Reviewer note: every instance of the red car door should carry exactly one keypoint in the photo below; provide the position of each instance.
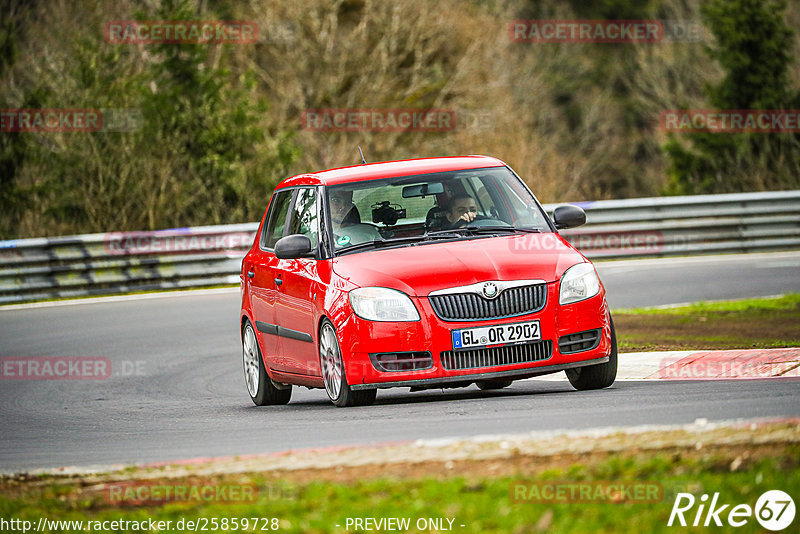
(261, 270)
(298, 288)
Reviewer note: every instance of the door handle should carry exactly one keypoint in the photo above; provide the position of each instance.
(250, 274)
(278, 281)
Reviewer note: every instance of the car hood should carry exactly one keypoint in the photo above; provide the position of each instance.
(418, 270)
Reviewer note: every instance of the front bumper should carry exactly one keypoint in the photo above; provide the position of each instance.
(360, 338)
(515, 374)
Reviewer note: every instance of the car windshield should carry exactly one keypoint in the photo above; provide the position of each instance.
(411, 209)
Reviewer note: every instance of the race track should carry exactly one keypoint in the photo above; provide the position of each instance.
(177, 389)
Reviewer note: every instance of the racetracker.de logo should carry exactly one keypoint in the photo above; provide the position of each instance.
(71, 120)
(158, 494)
(604, 31)
(731, 120)
(181, 32)
(175, 242)
(51, 120)
(634, 242)
(731, 364)
(597, 243)
(55, 368)
(378, 120)
(560, 491)
(586, 31)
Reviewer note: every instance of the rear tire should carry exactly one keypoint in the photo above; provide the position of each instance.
(596, 376)
(333, 372)
(487, 385)
(259, 385)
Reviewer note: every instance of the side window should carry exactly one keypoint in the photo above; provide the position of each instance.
(522, 207)
(273, 229)
(305, 215)
(477, 190)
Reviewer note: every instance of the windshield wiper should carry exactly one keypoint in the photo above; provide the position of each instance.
(484, 229)
(378, 243)
(479, 229)
(438, 234)
(443, 233)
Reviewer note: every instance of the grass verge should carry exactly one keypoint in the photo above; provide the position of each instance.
(736, 324)
(483, 495)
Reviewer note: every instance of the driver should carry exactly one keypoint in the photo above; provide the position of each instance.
(463, 210)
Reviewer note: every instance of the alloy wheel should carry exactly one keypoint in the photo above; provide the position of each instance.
(331, 358)
(251, 363)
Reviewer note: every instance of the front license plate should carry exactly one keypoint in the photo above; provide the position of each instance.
(503, 334)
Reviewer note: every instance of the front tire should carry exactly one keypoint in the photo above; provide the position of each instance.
(596, 376)
(333, 372)
(259, 385)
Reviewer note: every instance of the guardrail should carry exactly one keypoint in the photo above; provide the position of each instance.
(704, 224)
(119, 262)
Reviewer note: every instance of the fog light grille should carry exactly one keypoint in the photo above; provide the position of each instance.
(402, 361)
(579, 342)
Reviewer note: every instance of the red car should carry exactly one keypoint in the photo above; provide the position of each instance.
(425, 273)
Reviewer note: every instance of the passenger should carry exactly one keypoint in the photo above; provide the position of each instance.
(343, 211)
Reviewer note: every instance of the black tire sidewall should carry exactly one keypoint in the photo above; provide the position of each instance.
(597, 376)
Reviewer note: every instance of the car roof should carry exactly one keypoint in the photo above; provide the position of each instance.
(388, 169)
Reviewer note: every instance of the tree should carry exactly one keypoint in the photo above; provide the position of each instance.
(754, 47)
(200, 155)
(223, 161)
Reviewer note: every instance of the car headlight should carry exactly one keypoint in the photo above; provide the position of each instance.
(382, 304)
(579, 282)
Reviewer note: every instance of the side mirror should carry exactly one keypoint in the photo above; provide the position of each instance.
(568, 216)
(293, 246)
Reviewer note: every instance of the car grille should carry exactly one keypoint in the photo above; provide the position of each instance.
(473, 307)
(493, 357)
(579, 342)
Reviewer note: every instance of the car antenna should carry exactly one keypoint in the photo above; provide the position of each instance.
(363, 161)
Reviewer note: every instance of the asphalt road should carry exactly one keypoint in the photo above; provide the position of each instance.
(657, 282)
(176, 389)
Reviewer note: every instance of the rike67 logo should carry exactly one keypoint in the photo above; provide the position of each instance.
(774, 510)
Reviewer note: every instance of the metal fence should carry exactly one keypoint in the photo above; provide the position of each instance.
(120, 262)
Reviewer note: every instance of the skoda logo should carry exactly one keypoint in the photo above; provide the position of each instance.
(490, 290)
